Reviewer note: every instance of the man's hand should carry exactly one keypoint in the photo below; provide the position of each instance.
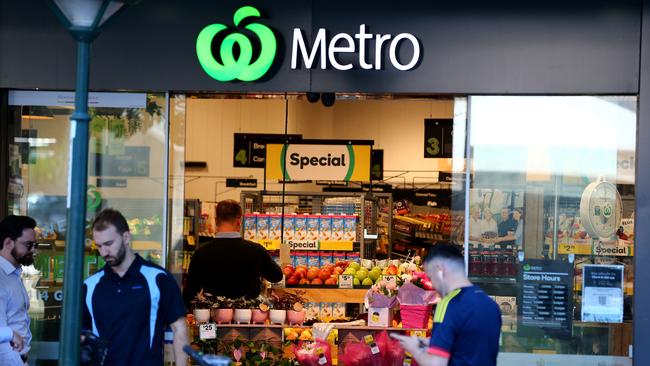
(179, 327)
(411, 344)
(417, 348)
(17, 342)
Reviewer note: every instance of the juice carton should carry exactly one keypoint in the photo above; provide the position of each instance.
(300, 227)
(338, 310)
(352, 257)
(302, 259)
(289, 227)
(325, 227)
(326, 310)
(262, 227)
(312, 310)
(326, 258)
(313, 223)
(250, 226)
(313, 259)
(338, 257)
(350, 228)
(275, 227)
(338, 227)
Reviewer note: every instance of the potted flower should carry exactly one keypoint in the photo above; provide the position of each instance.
(293, 302)
(416, 297)
(260, 310)
(201, 304)
(381, 298)
(243, 312)
(277, 313)
(222, 310)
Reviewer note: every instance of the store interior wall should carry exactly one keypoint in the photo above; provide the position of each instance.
(396, 126)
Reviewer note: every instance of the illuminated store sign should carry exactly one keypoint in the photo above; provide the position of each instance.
(236, 50)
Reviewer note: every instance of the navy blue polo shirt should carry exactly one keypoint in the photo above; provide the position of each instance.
(132, 311)
(466, 328)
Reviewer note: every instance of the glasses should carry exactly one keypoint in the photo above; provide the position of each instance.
(30, 244)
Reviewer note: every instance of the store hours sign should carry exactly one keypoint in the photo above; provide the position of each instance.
(336, 162)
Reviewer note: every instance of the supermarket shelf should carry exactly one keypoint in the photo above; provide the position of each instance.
(334, 295)
(336, 326)
(493, 279)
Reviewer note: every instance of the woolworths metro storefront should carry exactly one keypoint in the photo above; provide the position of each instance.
(545, 101)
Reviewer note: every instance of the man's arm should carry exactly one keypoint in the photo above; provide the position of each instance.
(193, 283)
(179, 327)
(417, 348)
(269, 269)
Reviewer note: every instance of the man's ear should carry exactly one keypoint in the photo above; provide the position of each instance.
(126, 237)
(8, 244)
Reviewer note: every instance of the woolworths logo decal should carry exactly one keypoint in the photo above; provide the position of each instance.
(362, 50)
(242, 68)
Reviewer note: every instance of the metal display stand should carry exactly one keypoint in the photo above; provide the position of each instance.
(365, 205)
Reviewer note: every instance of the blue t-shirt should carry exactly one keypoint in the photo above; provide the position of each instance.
(131, 312)
(466, 327)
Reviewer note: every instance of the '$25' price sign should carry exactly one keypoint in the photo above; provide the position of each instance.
(208, 331)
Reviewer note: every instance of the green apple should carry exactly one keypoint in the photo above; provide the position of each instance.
(349, 271)
(361, 275)
(367, 282)
(374, 275)
(356, 282)
(354, 265)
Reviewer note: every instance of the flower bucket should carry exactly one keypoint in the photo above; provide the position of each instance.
(242, 316)
(259, 316)
(415, 316)
(222, 316)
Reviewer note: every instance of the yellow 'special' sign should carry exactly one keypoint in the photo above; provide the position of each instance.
(293, 162)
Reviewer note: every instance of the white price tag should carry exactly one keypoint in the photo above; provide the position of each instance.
(208, 331)
(390, 278)
(322, 360)
(346, 281)
(374, 348)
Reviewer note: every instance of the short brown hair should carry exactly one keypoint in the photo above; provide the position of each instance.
(108, 217)
(228, 211)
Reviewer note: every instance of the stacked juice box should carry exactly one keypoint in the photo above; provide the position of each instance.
(314, 227)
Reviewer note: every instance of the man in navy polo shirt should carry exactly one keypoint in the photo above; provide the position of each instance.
(131, 301)
(467, 322)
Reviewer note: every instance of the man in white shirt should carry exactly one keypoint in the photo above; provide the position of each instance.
(17, 247)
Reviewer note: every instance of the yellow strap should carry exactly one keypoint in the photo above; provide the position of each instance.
(441, 308)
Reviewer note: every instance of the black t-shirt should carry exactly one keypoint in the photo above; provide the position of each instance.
(131, 312)
(507, 225)
(231, 267)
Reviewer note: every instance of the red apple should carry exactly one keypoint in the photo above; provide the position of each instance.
(331, 281)
(324, 274)
(317, 281)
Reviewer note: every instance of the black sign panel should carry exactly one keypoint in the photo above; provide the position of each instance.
(133, 163)
(438, 138)
(250, 149)
(545, 299)
(241, 182)
(377, 165)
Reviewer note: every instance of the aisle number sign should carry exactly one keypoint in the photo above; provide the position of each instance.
(295, 162)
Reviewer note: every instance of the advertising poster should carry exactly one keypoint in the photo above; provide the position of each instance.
(602, 294)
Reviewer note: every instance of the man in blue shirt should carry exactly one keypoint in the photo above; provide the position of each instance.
(467, 322)
(17, 247)
(131, 301)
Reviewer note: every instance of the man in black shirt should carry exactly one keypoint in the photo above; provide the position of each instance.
(131, 301)
(507, 224)
(229, 265)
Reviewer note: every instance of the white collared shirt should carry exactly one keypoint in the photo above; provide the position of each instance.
(14, 304)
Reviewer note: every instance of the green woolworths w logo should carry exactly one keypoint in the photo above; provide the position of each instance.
(240, 68)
